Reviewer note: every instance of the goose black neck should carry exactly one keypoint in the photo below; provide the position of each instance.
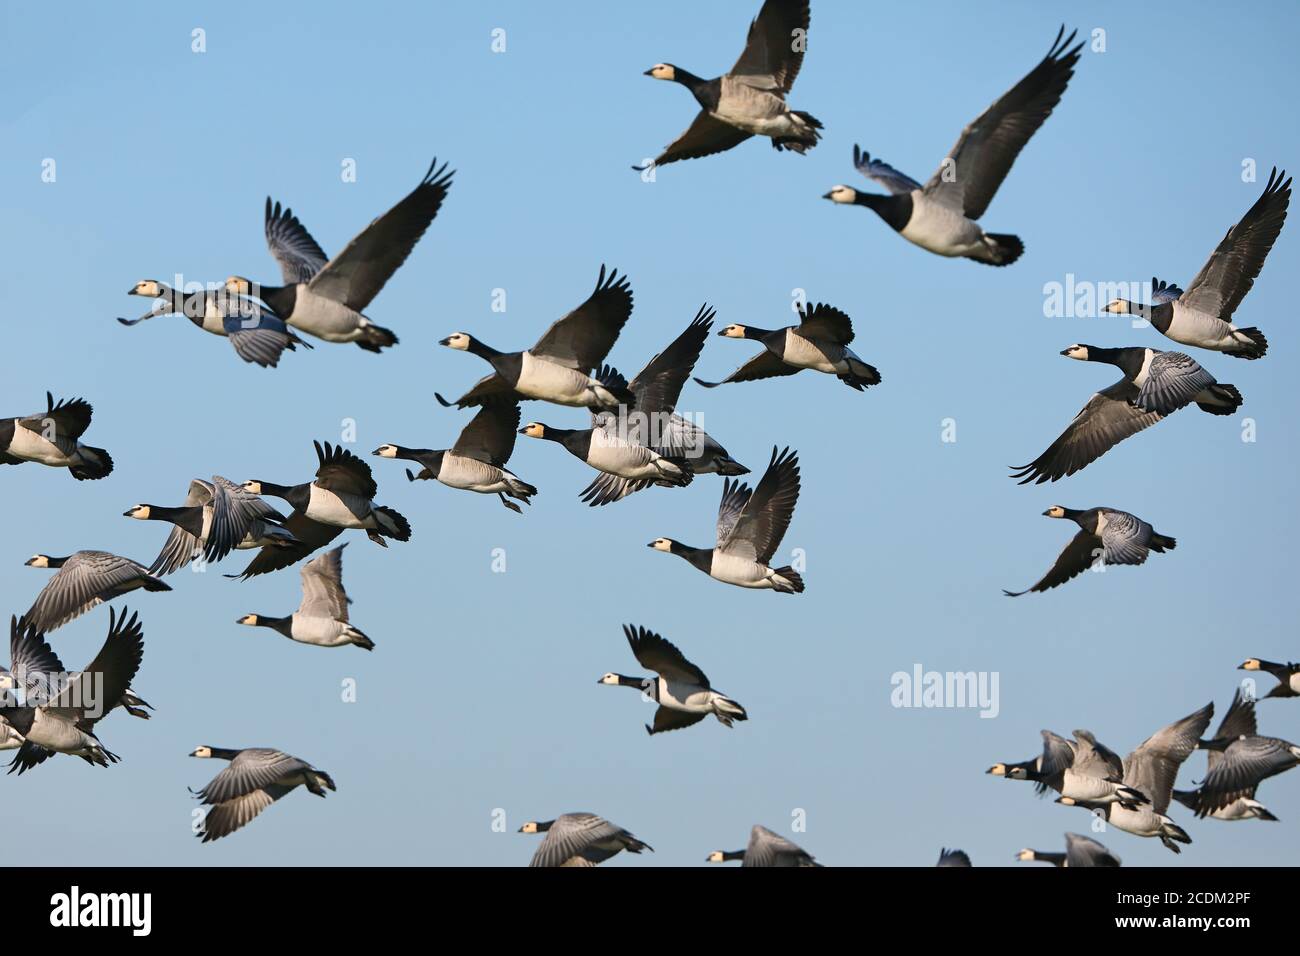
(1054, 858)
(895, 210)
(282, 624)
(688, 79)
(296, 495)
(482, 350)
(224, 753)
(625, 681)
(731, 855)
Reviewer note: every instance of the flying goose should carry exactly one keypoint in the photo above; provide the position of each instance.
(255, 779)
(580, 839)
(342, 496)
(1238, 722)
(83, 580)
(558, 368)
(1151, 769)
(257, 334)
(941, 215)
(749, 100)
(1155, 384)
(1106, 536)
(40, 672)
(477, 462)
(608, 449)
(765, 849)
(1080, 769)
(953, 858)
(681, 689)
(60, 717)
(326, 297)
(1079, 851)
(652, 421)
(217, 517)
(1202, 316)
(1245, 760)
(53, 438)
(820, 342)
(1032, 769)
(751, 525)
(1287, 674)
(322, 617)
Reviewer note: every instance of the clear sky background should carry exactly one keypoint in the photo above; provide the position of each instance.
(482, 695)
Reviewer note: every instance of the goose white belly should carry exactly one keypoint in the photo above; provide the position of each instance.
(1294, 682)
(325, 318)
(59, 735)
(742, 572)
(818, 356)
(690, 698)
(552, 382)
(1239, 809)
(1083, 787)
(940, 229)
(624, 459)
(1193, 327)
(340, 511)
(321, 631)
(1143, 821)
(1140, 378)
(756, 111)
(33, 446)
(470, 474)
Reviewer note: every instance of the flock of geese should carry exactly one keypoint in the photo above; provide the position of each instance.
(636, 440)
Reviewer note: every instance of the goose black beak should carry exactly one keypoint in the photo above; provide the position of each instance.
(523, 431)
(649, 72)
(650, 545)
(376, 451)
(127, 512)
(826, 195)
(29, 562)
(444, 341)
(1065, 351)
(131, 291)
(1047, 513)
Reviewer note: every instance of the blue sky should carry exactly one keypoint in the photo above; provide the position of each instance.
(482, 694)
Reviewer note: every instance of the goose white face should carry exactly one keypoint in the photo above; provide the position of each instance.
(1117, 306)
(1078, 352)
(203, 751)
(715, 857)
(662, 544)
(238, 285)
(733, 332)
(1015, 773)
(386, 451)
(609, 679)
(457, 340)
(140, 512)
(39, 561)
(998, 770)
(1025, 855)
(530, 827)
(249, 619)
(662, 71)
(842, 194)
(533, 430)
(1056, 511)
(1250, 665)
(147, 287)
(252, 487)
(1065, 801)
